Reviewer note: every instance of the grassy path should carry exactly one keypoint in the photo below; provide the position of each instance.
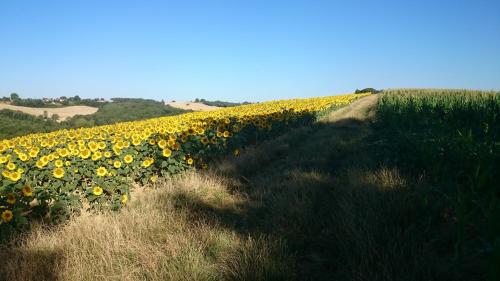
(309, 205)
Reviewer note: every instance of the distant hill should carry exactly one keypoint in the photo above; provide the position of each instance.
(16, 123)
(367, 90)
(63, 101)
(121, 110)
(219, 103)
(58, 113)
(194, 106)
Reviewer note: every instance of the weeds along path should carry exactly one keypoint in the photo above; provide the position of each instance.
(309, 205)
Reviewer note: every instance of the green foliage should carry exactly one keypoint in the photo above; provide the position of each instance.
(219, 103)
(14, 96)
(452, 137)
(121, 110)
(16, 123)
(367, 90)
(15, 99)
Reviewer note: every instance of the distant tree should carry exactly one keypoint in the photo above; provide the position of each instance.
(197, 100)
(367, 90)
(14, 97)
(55, 117)
(45, 114)
(78, 122)
(77, 98)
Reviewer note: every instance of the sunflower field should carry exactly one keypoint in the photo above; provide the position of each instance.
(53, 175)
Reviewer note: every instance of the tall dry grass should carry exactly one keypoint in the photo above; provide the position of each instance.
(153, 239)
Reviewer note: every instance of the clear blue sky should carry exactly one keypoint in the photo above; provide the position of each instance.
(245, 50)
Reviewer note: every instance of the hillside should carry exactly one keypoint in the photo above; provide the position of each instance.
(15, 123)
(64, 113)
(125, 110)
(195, 106)
(26, 120)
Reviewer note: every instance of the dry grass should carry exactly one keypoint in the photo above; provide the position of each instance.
(153, 239)
(310, 205)
(195, 106)
(359, 110)
(63, 112)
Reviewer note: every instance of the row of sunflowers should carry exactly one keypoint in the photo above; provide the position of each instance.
(52, 175)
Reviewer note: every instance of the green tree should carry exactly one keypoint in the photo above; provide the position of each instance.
(14, 97)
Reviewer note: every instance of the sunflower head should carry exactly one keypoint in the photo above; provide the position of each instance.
(7, 215)
(58, 173)
(11, 198)
(11, 166)
(101, 171)
(128, 158)
(15, 176)
(27, 191)
(166, 152)
(97, 190)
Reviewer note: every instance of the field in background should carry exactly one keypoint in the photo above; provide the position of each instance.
(195, 106)
(64, 113)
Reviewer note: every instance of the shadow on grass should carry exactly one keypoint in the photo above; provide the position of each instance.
(41, 264)
(319, 189)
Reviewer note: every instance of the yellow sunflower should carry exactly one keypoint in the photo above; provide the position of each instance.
(11, 198)
(6, 174)
(97, 190)
(3, 159)
(7, 215)
(15, 176)
(23, 157)
(58, 173)
(11, 166)
(40, 164)
(85, 153)
(146, 163)
(162, 144)
(27, 191)
(166, 152)
(128, 158)
(101, 171)
(117, 164)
